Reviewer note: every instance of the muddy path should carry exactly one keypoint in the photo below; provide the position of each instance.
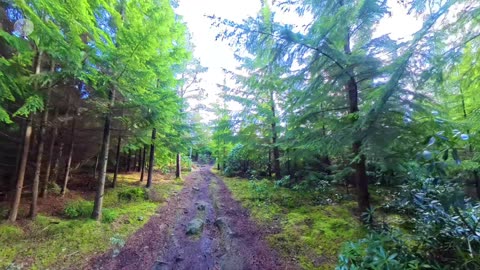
(202, 227)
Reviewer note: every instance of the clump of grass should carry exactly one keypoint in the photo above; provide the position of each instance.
(78, 209)
(132, 194)
(83, 209)
(10, 233)
(109, 215)
(311, 232)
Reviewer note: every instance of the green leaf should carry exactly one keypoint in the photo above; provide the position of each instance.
(4, 117)
(33, 104)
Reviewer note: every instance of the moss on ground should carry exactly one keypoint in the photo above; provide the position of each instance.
(58, 242)
(311, 233)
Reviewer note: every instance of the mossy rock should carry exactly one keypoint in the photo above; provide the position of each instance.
(195, 226)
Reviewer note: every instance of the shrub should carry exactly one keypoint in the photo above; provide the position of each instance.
(133, 194)
(54, 188)
(78, 209)
(109, 215)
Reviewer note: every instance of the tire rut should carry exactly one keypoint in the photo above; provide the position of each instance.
(228, 240)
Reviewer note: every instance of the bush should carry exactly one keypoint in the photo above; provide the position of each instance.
(133, 194)
(109, 215)
(54, 188)
(78, 209)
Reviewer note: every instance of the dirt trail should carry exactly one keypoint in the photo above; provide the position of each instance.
(229, 239)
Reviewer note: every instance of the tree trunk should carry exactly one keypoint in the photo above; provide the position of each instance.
(38, 159)
(142, 169)
(98, 203)
(269, 163)
(224, 159)
(134, 165)
(360, 174)
(26, 147)
(117, 161)
(46, 180)
(152, 158)
(477, 183)
(276, 154)
(21, 172)
(129, 154)
(68, 163)
(56, 168)
(361, 179)
(95, 168)
(139, 167)
(18, 157)
(178, 171)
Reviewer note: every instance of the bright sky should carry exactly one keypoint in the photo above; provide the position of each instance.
(217, 55)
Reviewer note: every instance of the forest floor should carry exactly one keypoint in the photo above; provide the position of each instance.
(61, 239)
(202, 222)
(202, 227)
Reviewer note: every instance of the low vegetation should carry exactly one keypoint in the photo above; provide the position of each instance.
(70, 240)
(311, 227)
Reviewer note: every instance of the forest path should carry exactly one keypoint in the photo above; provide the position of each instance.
(225, 237)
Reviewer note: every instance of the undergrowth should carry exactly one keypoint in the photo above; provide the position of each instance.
(313, 226)
(60, 242)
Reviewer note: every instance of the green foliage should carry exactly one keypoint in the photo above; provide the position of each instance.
(310, 232)
(132, 194)
(10, 233)
(235, 162)
(78, 209)
(55, 243)
(109, 215)
(445, 225)
(54, 188)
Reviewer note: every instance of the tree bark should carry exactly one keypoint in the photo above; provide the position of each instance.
(142, 169)
(21, 172)
(26, 148)
(134, 165)
(98, 203)
(68, 163)
(139, 160)
(18, 157)
(361, 179)
(152, 159)
(38, 159)
(95, 168)
(269, 168)
(129, 154)
(276, 150)
(117, 161)
(46, 180)
(178, 171)
(56, 168)
(477, 183)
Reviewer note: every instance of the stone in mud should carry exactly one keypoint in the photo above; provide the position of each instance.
(159, 265)
(201, 205)
(196, 188)
(195, 226)
(231, 262)
(222, 224)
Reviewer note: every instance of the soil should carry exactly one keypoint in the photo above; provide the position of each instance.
(227, 238)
